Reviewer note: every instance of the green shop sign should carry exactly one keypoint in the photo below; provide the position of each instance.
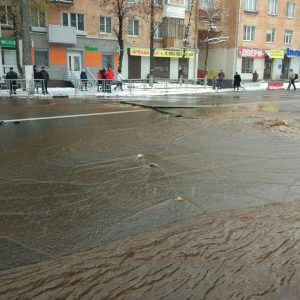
(90, 48)
(7, 42)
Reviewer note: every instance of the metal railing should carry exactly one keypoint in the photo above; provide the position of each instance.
(21, 87)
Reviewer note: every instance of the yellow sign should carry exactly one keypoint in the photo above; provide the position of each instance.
(161, 53)
(276, 53)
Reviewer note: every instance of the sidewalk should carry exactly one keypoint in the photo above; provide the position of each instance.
(159, 89)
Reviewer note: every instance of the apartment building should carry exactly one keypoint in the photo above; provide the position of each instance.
(77, 34)
(263, 36)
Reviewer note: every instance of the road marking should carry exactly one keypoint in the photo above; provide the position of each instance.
(74, 116)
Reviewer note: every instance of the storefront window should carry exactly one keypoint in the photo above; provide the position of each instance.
(107, 60)
(41, 58)
(247, 65)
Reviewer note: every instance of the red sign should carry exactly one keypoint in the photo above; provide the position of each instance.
(253, 53)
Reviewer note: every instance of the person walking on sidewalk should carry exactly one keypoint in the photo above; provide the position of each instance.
(119, 81)
(12, 76)
(99, 80)
(37, 78)
(102, 72)
(237, 81)
(292, 78)
(109, 74)
(221, 77)
(83, 79)
(45, 77)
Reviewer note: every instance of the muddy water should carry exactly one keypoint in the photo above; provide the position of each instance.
(242, 254)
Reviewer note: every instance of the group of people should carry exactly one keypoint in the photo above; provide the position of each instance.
(104, 79)
(41, 79)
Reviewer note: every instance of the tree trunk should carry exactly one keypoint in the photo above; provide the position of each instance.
(151, 39)
(17, 36)
(25, 9)
(120, 41)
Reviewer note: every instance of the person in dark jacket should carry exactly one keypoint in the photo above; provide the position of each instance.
(103, 71)
(12, 76)
(37, 78)
(83, 78)
(45, 77)
(237, 81)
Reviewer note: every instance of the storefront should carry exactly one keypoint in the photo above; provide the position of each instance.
(166, 63)
(250, 60)
(274, 61)
(8, 54)
(294, 57)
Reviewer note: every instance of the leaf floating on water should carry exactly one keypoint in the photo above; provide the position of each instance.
(179, 198)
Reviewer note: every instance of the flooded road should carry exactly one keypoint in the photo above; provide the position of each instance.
(172, 207)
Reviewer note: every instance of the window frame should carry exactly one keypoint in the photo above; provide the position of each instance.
(105, 25)
(288, 36)
(293, 4)
(157, 30)
(273, 11)
(205, 4)
(246, 6)
(253, 33)
(41, 50)
(9, 21)
(273, 34)
(133, 27)
(69, 20)
(249, 62)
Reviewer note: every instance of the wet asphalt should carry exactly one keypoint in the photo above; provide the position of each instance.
(71, 184)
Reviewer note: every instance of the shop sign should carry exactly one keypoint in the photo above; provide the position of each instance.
(276, 54)
(161, 53)
(7, 42)
(90, 48)
(252, 53)
(292, 52)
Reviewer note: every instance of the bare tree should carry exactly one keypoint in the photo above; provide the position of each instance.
(212, 19)
(19, 12)
(121, 9)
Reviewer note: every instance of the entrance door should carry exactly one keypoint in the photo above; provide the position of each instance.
(134, 67)
(285, 68)
(161, 67)
(74, 64)
(268, 68)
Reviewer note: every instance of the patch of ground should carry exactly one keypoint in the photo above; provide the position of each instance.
(241, 254)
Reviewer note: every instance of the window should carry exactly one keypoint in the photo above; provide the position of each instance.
(133, 1)
(158, 31)
(38, 18)
(270, 38)
(41, 58)
(107, 60)
(205, 4)
(6, 15)
(247, 65)
(290, 10)
(249, 33)
(288, 35)
(250, 5)
(173, 27)
(273, 7)
(105, 25)
(133, 27)
(73, 20)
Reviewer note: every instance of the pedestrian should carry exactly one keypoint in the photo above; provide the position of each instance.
(237, 81)
(45, 77)
(83, 80)
(109, 75)
(254, 76)
(221, 77)
(103, 77)
(12, 76)
(37, 78)
(214, 82)
(99, 80)
(292, 78)
(120, 78)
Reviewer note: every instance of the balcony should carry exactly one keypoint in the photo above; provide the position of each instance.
(172, 42)
(174, 9)
(62, 35)
(67, 2)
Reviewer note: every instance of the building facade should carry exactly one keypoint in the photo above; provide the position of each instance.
(77, 34)
(263, 37)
